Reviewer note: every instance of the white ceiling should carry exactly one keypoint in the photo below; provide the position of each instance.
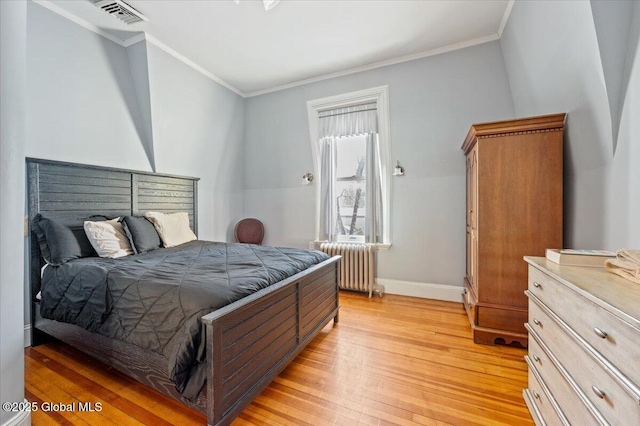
(255, 51)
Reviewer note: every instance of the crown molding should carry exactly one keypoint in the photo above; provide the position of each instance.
(505, 17)
(192, 64)
(135, 39)
(407, 58)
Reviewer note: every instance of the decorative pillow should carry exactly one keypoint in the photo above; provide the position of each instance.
(108, 238)
(142, 235)
(173, 228)
(62, 240)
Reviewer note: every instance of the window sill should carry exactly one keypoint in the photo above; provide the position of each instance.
(379, 246)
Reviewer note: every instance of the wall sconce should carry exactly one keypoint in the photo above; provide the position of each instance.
(307, 178)
(398, 170)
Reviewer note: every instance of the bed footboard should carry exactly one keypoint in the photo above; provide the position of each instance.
(252, 340)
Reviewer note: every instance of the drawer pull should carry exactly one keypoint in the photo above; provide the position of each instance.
(536, 321)
(600, 333)
(600, 394)
(536, 395)
(536, 358)
(537, 284)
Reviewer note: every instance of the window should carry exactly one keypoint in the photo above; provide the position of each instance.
(349, 136)
(350, 189)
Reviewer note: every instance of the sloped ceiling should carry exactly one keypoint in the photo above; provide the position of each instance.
(617, 48)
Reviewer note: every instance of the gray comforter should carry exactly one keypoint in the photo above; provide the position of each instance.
(155, 300)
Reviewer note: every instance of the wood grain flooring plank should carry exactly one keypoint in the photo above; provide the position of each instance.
(167, 408)
(93, 391)
(70, 392)
(391, 360)
(46, 418)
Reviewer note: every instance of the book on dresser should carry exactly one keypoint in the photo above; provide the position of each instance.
(575, 257)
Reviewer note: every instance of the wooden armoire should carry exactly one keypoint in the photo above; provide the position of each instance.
(514, 209)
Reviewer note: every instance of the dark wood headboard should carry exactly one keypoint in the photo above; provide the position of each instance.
(68, 190)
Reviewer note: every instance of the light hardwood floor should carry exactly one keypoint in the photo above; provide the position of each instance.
(390, 360)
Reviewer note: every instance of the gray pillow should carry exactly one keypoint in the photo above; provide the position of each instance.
(141, 233)
(62, 240)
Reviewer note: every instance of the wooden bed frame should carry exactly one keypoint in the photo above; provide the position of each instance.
(249, 342)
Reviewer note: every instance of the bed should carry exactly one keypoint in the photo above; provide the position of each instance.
(241, 346)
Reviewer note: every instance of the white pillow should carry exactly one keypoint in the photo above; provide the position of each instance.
(173, 228)
(108, 238)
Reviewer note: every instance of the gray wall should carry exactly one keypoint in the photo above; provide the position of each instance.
(13, 21)
(86, 105)
(559, 57)
(88, 102)
(199, 131)
(81, 101)
(433, 102)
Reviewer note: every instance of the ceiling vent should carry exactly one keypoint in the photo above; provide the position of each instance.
(121, 10)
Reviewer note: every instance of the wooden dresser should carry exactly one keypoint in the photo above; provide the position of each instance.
(514, 208)
(584, 346)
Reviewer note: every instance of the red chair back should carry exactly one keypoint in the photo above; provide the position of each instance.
(249, 231)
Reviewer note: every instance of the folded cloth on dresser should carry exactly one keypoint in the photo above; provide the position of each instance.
(626, 264)
(155, 300)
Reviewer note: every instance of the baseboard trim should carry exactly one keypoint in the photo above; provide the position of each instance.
(447, 293)
(21, 418)
(27, 335)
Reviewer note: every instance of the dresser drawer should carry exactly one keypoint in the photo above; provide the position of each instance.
(575, 405)
(544, 409)
(615, 404)
(612, 337)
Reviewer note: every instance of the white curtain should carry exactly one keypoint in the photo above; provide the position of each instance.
(374, 201)
(351, 121)
(327, 169)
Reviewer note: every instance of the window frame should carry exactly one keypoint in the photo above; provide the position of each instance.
(379, 95)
